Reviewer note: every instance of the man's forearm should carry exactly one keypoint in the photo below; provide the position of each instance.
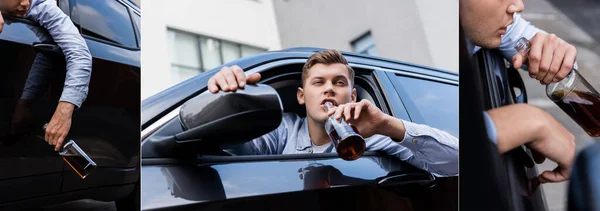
(516, 125)
(393, 128)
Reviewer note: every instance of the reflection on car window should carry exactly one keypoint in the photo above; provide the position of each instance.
(136, 21)
(433, 102)
(106, 20)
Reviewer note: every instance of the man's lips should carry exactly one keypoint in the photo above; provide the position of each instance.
(329, 100)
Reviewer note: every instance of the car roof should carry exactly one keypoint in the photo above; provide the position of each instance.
(353, 54)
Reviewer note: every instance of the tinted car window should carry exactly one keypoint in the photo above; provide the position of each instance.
(434, 103)
(106, 20)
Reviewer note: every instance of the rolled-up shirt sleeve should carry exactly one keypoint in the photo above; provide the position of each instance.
(67, 37)
(432, 149)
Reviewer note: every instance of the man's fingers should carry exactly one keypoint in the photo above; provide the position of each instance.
(550, 56)
(557, 60)
(348, 111)
(239, 76)
(357, 109)
(338, 112)
(1, 23)
(230, 78)
(535, 55)
(253, 78)
(212, 85)
(59, 142)
(220, 78)
(558, 175)
(47, 135)
(567, 64)
(517, 61)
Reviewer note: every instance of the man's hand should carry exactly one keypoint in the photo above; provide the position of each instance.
(366, 117)
(1, 22)
(523, 124)
(59, 125)
(550, 58)
(230, 79)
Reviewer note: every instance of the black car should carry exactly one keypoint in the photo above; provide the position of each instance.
(183, 131)
(106, 126)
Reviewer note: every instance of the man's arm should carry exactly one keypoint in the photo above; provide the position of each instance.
(433, 150)
(77, 54)
(79, 67)
(523, 124)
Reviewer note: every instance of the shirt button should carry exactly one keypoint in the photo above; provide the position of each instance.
(414, 140)
(310, 150)
(417, 133)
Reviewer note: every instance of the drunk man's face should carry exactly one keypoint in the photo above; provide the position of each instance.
(485, 21)
(17, 8)
(325, 83)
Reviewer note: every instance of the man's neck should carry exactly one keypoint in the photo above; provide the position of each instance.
(317, 133)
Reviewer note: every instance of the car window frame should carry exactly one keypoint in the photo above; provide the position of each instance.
(500, 95)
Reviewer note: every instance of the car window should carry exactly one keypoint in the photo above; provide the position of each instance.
(106, 20)
(430, 102)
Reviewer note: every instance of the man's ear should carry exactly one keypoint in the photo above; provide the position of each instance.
(354, 95)
(300, 96)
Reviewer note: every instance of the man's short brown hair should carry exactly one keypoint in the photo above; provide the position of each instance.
(326, 57)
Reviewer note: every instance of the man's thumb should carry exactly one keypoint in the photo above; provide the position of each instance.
(253, 78)
(517, 61)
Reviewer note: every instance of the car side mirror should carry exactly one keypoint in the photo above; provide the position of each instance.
(227, 118)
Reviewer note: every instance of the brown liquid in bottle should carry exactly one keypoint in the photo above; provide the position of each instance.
(79, 164)
(583, 107)
(349, 148)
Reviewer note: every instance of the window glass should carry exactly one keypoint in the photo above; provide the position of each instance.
(365, 45)
(211, 52)
(433, 102)
(249, 51)
(231, 51)
(136, 21)
(106, 20)
(185, 57)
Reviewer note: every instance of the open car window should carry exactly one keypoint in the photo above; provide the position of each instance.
(286, 79)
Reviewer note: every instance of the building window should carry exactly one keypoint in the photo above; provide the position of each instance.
(364, 45)
(193, 54)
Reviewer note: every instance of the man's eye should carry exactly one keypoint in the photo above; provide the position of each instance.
(341, 82)
(317, 82)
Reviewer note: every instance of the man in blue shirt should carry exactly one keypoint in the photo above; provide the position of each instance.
(63, 32)
(326, 76)
(495, 24)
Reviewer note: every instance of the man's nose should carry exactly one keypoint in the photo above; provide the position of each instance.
(515, 6)
(25, 3)
(328, 89)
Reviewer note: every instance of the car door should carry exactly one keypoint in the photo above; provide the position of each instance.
(500, 88)
(107, 124)
(295, 182)
(27, 162)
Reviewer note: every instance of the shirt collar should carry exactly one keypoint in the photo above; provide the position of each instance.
(303, 139)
